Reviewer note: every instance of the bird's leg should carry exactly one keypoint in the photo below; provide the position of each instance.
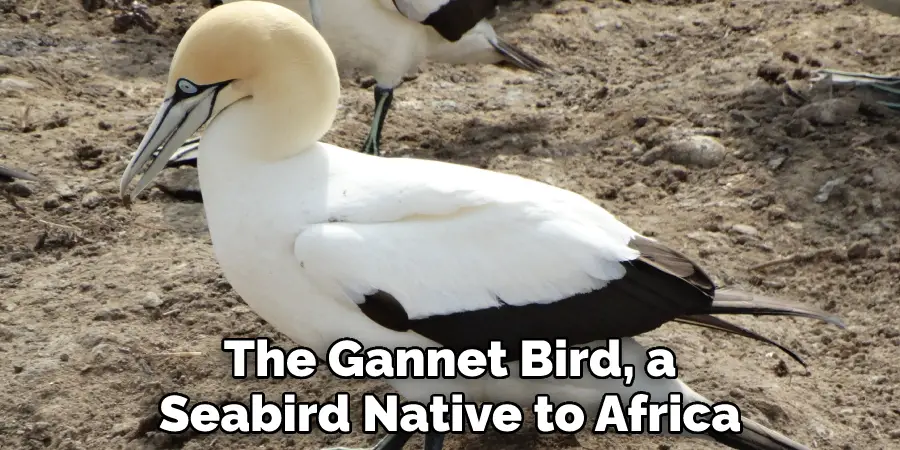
(383, 98)
(390, 442)
(434, 441)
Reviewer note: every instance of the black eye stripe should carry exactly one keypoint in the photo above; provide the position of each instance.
(186, 87)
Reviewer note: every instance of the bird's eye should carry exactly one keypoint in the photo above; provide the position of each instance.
(186, 87)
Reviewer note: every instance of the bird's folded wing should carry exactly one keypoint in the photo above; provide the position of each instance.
(473, 258)
(450, 18)
(503, 259)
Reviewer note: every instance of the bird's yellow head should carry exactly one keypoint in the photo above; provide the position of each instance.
(251, 51)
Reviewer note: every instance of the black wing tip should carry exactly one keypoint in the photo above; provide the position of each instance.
(14, 174)
(761, 305)
(716, 323)
(520, 58)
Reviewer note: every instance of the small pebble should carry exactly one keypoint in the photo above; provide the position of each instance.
(52, 201)
(151, 300)
(15, 84)
(858, 250)
(826, 190)
(744, 229)
(91, 200)
(65, 192)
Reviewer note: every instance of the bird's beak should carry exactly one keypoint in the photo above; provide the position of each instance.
(178, 118)
(315, 8)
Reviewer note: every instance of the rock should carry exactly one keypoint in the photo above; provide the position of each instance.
(694, 150)
(65, 192)
(15, 84)
(859, 249)
(894, 434)
(744, 229)
(151, 300)
(826, 190)
(52, 201)
(87, 151)
(833, 111)
(91, 200)
(702, 151)
(776, 162)
(109, 314)
(19, 189)
(771, 71)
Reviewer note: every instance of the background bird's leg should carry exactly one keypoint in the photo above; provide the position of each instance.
(315, 9)
(390, 442)
(434, 441)
(383, 98)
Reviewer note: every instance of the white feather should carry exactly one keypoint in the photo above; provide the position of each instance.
(446, 238)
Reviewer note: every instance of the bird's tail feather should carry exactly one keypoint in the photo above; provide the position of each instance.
(755, 436)
(519, 58)
(716, 323)
(13, 173)
(730, 301)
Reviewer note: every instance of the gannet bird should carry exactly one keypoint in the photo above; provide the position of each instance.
(8, 175)
(391, 38)
(326, 243)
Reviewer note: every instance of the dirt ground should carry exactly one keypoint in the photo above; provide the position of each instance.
(90, 311)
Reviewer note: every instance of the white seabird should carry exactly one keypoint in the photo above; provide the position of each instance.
(390, 38)
(327, 243)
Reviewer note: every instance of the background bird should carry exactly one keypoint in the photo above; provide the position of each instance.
(389, 39)
(888, 85)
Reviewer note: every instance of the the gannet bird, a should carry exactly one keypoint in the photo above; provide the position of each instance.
(8, 175)
(390, 38)
(327, 243)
